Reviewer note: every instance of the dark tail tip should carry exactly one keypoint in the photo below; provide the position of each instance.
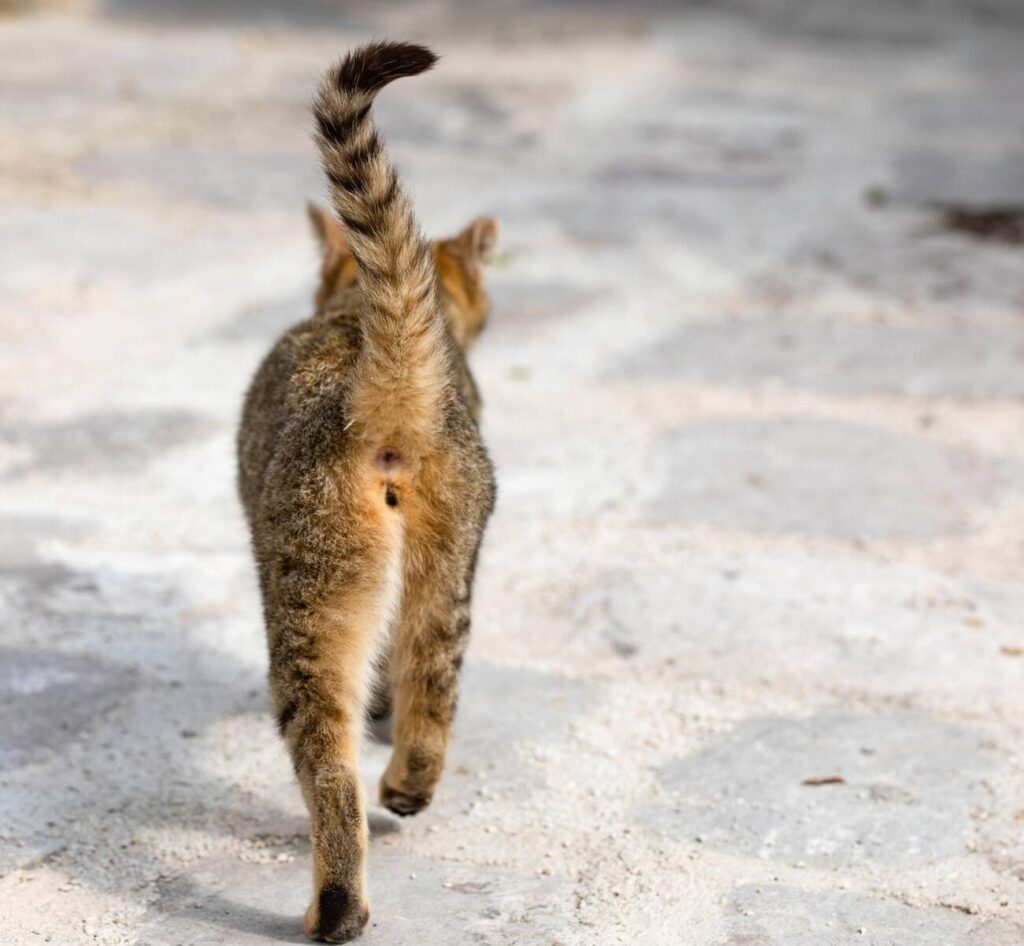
(371, 67)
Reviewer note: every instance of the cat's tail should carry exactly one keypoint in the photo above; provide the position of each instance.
(404, 364)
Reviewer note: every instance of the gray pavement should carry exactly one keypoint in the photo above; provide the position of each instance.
(748, 655)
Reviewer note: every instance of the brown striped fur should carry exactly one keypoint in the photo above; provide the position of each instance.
(367, 487)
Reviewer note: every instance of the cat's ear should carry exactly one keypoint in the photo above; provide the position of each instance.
(478, 240)
(328, 230)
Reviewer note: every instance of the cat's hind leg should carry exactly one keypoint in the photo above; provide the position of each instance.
(443, 533)
(324, 632)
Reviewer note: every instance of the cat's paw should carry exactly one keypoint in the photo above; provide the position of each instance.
(335, 916)
(403, 802)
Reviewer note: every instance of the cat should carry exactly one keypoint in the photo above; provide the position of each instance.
(367, 488)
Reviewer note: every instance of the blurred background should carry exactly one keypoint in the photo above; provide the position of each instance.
(748, 663)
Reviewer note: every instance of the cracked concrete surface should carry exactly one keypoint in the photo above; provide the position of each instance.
(758, 427)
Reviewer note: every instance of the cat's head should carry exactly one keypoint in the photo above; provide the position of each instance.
(459, 262)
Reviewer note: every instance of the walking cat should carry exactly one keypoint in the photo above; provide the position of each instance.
(367, 487)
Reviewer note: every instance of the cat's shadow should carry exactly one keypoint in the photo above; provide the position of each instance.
(253, 921)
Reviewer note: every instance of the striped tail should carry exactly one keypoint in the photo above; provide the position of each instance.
(403, 367)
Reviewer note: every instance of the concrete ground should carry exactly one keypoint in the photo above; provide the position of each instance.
(748, 658)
